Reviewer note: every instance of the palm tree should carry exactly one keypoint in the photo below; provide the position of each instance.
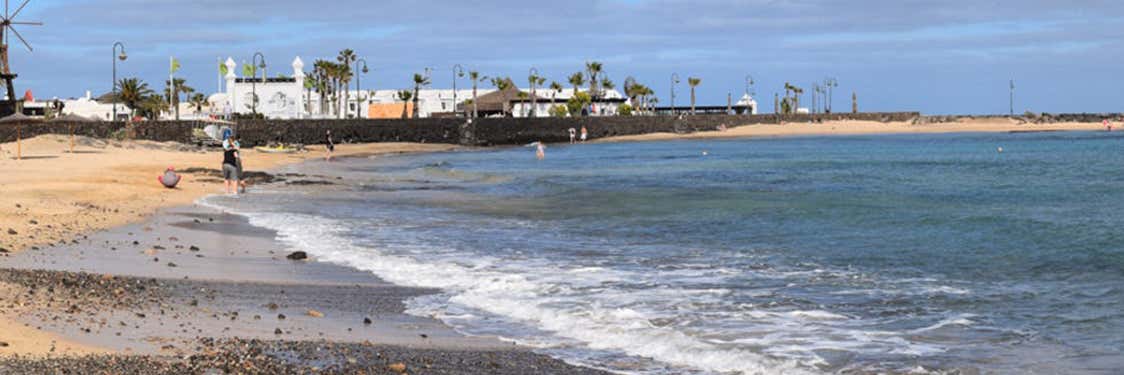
(320, 75)
(555, 89)
(404, 96)
(607, 84)
(346, 58)
(594, 69)
(133, 91)
(577, 80)
(152, 105)
(172, 91)
(197, 101)
(693, 82)
(309, 83)
(419, 82)
(476, 78)
(535, 81)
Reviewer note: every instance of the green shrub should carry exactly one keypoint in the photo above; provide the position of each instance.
(624, 110)
(559, 111)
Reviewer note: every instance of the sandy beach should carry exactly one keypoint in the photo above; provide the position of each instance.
(53, 196)
(96, 259)
(792, 129)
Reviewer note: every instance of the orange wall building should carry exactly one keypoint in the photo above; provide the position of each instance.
(389, 110)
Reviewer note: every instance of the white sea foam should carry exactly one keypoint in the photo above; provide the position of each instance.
(521, 298)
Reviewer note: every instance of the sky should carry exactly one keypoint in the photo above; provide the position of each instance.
(936, 56)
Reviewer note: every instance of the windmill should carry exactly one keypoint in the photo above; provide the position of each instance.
(8, 23)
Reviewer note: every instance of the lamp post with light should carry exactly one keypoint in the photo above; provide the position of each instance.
(358, 87)
(116, 56)
(254, 80)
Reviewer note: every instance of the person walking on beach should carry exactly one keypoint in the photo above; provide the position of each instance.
(230, 170)
(329, 145)
(573, 136)
(233, 143)
(585, 134)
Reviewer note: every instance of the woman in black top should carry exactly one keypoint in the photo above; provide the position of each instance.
(230, 173)
(329, 145)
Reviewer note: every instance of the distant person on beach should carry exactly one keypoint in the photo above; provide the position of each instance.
(329, 145)
(1107, 125)
(540, 150)
(585, 134)
(573, 136)
(230, 171)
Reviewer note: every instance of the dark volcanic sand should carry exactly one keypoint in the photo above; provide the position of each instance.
(195, 291)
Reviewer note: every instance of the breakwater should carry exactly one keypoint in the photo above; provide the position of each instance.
(477, 132)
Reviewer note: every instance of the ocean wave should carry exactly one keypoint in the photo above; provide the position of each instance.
(519, 298)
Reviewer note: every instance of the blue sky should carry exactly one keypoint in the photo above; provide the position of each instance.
(937, 56)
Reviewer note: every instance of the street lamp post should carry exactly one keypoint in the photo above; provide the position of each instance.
(829, 84)
(458, 71)
(254, 81)
(748, 83)
(674, 81)
(116, 56)
(358, 87)
(1012, 98)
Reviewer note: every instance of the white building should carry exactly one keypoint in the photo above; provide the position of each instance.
(606, 104)
(90, 108)
(280, 97)
(748, 101)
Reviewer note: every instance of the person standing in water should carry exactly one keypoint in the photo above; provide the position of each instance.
(540, 150)
(329, 145)
(241, 188)
(573, 136)
(585, 134)
(230, 174)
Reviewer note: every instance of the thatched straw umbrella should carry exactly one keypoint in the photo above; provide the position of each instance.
(18, 119)
(70, 119)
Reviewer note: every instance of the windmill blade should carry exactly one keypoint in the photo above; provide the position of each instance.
(26, 23)
(14, 31)
(19, 9)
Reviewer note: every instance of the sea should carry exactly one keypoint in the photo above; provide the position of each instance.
(952, 253)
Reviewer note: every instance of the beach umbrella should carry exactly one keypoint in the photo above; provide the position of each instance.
(70, 119)
(19, 119)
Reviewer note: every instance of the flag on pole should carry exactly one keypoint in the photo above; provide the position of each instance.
(248, 70)
(223, 69)
(175, 65)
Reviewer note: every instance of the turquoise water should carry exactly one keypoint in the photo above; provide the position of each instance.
(875, 253)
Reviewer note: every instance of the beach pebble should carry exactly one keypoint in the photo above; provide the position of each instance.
(193, 248)
(12, 231)
(367, 321)
(397, 367)
(315, 314)
(3, 344)
(278, 331)
(297, 255)
(280, 316)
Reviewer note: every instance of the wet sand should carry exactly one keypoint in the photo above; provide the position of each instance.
(191, 288)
